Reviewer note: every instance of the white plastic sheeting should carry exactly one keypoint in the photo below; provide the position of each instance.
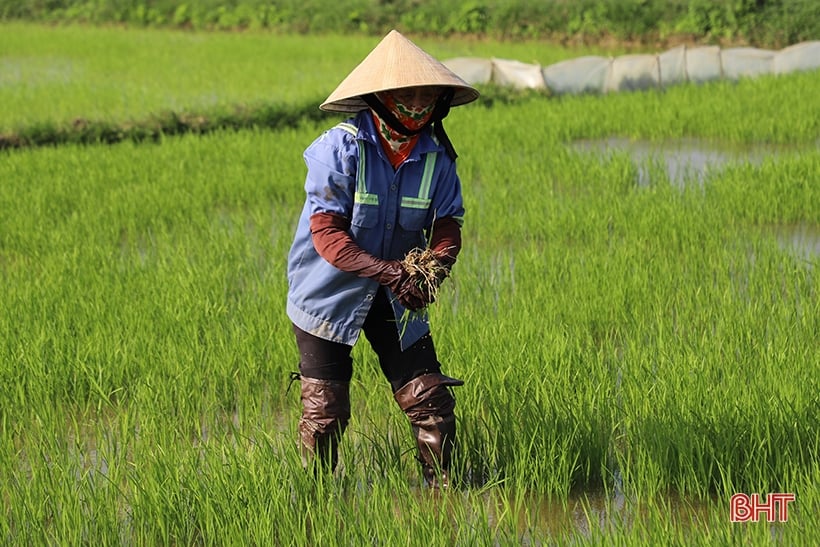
(672, 66)
(805, 56)
(517, 74)
(582, 75)
(746, 62)
(633, 72)
(703, 64)
(595, 74)
(474, 70)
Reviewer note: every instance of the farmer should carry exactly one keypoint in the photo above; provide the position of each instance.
(379, 184)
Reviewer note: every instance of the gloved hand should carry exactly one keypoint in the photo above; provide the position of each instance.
(445, 242)
(413, 297)
(405, 287)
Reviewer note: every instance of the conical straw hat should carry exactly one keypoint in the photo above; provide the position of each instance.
(395, 63)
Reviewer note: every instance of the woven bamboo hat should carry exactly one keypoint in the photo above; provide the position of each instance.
(395, 63)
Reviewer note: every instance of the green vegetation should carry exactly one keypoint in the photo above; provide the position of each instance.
(772, 23)
(79, 84)
(651, 346)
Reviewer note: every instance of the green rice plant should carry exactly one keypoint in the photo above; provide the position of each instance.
(76, 74)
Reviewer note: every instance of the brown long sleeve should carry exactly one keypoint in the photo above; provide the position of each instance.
(446, 240)
(334, 243)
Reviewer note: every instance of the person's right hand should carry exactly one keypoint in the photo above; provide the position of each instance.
(335, 244)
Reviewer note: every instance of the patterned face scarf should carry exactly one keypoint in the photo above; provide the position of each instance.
(396, 145)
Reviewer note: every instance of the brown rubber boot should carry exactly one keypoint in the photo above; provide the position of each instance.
(325, 412)
(429, 405)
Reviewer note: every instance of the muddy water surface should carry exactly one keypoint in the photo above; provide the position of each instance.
(689, 161)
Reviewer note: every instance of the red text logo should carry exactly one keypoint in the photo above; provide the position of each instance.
(746, 508)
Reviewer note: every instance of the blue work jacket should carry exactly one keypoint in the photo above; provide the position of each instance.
(390, 213)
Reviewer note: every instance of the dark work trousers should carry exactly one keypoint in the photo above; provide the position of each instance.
(326, 360)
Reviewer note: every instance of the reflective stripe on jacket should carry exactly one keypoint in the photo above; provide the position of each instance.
(390, 213)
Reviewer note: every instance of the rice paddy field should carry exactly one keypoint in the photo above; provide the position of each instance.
(637, 346)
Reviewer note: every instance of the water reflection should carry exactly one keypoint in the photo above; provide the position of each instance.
(802, 238)
(538, 520)
(684, 160)
(688, 161)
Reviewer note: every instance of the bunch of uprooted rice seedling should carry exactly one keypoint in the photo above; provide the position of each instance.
(426, 270)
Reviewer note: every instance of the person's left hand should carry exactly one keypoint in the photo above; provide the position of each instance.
(411, 296)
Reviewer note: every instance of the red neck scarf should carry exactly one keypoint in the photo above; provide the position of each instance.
(398, 146)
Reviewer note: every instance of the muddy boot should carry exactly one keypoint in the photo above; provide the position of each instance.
(325, 412)
(429, 405)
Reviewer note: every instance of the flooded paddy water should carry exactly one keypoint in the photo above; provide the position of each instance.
(693, 161)
(596, 513)
(95, 455)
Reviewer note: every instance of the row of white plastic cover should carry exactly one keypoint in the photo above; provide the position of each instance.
(594, 74)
